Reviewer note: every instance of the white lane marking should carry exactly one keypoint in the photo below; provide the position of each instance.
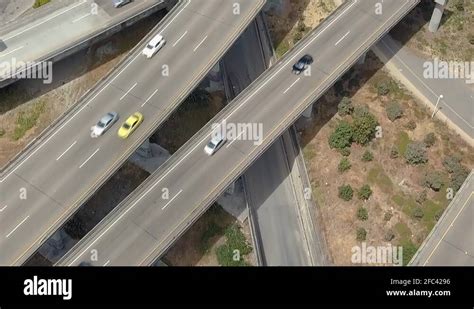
(12, 51)
(106, 263)
(235, 139)
(447, 230)
(171, 21)
(90, 157)
(126, 93)
(46, 20)
(80, 18)
(291, 60)
(424, 84)
(170, 201)
(205, 138)
(68, 120)
(340, 40)
(23, 221)
(200, 43)
(180, 38)
(3, 208)
(291, 86)
(69, 148)
(149, 98)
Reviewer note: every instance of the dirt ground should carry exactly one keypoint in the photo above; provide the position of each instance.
(394, 183)
(286, 19)
(197, 247)
(454, 39)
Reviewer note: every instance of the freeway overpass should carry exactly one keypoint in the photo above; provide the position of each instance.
(56, 30)
(145, 224)
(48, 182)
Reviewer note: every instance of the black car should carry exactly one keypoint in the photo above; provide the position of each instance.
(302, 64)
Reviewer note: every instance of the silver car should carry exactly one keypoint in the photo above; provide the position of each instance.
(214, 144)
(104, 124)
(119, 3)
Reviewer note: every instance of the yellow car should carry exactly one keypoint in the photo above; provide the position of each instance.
(130, 125)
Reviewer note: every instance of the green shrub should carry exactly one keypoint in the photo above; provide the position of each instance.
(235, 241)
(362, 214)
(452, 163)
(411, 125)
(345, 107)
(416, 153)
(430, 139)
(458, 178)
(383, 88)
(346, 193)
(345, 151)
(367, 156)
(434, 180)
(459, 5)
(417, 213)
(387, 216)
(364, 126)
(361, 234)
(421, 197)
(344, 165)
(342, 136)
(39, 3)
(389, 235)
(394, 153)
(394, 111)
(364, 192)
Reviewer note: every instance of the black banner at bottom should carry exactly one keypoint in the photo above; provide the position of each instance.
(66, 287)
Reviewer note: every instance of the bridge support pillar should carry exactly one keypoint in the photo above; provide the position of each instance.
(145, 149)
(362, 59)
(308, 113)
(437, 15)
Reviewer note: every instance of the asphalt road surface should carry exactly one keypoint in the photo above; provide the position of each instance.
(59, 26)
(450, 243)
(56, 176)
(147, 222)
(458, 95)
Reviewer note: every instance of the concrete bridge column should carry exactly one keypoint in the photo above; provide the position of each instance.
(437, 14)
(308, 113)
(362, 59)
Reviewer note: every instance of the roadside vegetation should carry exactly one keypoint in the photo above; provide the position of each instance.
(381, 169)
(27, 119)
(453, 41)
(39, 3)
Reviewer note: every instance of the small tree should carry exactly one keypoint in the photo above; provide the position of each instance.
(421, 197)
(342, 136)
(430, 139)
(345, 107)
(344, 165)
(387, 216)
(411, 125)
(417, 213)
(458, 177)
(362, 214)
(383, 88)
(394, 111)
(452, 163)
(364, 126)
(346, 193)
(367, 156)
(364, 192)
(345, 151)
(361, 234)
(394, 153)
(434, 180)
(416, 153)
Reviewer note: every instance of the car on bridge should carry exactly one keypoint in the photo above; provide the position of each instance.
(104, 124)
(130, 125)
(302, 64)
(120, 3)
(214, 144)
(154, 46)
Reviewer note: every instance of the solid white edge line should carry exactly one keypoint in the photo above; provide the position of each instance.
(16, 227)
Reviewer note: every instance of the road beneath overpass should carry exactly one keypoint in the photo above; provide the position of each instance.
(47, 183)
(146, 223)
(450, 243)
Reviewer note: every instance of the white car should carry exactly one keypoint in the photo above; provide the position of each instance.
(104, 124)
(214, 144)
(154, 46)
